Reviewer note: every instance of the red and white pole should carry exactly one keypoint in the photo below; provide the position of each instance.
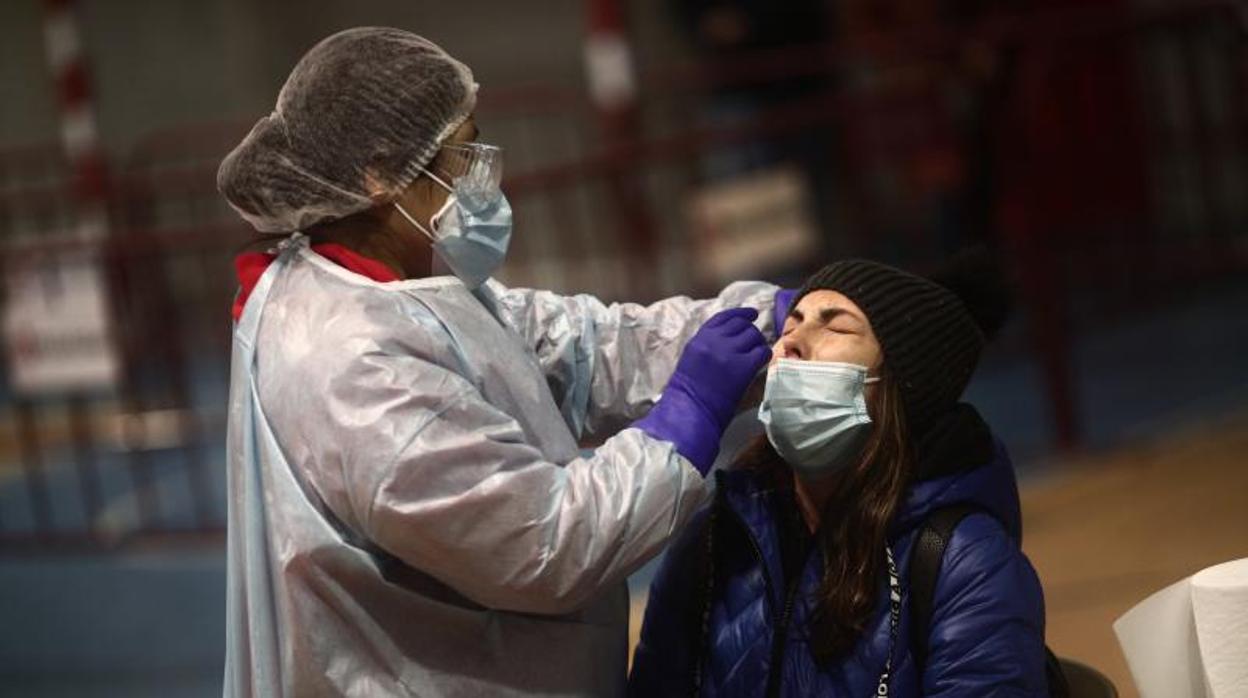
(79, 134)
(612, 78)
(609, 59)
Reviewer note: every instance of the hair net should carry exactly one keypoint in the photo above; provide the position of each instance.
(360, 115)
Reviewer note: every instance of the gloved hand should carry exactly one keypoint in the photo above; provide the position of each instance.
(784, 301)
(713, 372)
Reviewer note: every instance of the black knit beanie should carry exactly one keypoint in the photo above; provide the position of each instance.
(931, 329)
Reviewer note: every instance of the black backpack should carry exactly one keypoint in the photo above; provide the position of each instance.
(929, 551)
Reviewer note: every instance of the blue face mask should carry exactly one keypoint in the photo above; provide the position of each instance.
(815, 414)
(471, 232)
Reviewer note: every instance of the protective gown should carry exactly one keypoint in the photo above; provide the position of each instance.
(409, 512)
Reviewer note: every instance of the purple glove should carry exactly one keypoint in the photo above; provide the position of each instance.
(714, 370)
(784, 301)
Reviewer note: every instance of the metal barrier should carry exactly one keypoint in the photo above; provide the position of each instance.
(1083, 207)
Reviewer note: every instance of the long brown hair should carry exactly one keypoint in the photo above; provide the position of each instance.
(854, 524)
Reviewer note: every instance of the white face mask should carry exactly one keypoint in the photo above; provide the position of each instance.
(815, 414)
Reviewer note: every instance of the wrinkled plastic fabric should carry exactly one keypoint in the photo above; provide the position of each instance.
(361, 113)
(409, 512)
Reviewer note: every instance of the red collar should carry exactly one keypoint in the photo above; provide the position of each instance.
(249, 266)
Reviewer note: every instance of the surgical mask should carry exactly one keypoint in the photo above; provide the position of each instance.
(472, 230)
(815, 414)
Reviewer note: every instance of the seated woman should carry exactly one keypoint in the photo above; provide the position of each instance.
(782, 586)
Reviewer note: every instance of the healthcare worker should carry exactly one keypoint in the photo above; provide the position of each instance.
(409, 513)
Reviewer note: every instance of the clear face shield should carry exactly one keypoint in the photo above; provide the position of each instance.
(472, 172)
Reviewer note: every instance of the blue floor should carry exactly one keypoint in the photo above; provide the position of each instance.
(139, 624)
(152, 623)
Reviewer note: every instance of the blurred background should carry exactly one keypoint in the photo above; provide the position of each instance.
(654, 147)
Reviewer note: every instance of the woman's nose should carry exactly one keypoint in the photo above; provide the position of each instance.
(791, 348)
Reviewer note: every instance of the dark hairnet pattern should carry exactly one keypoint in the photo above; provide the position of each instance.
(357, 119)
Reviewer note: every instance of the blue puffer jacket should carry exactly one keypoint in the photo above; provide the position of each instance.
(987, 627)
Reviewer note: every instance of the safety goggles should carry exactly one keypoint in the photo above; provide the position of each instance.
(473, 167)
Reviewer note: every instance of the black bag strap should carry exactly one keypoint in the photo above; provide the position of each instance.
(925, 561)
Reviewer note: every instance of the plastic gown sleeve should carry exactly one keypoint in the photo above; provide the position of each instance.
(608, 364)
(465, 499)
